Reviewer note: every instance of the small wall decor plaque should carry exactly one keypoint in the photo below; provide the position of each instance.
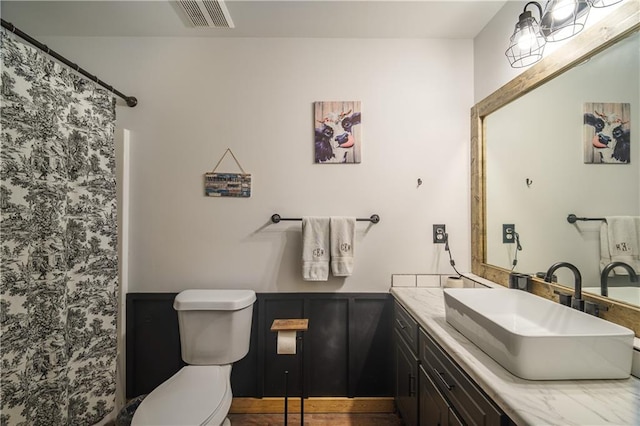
(607, 134)
(338, 137)
(218, 184)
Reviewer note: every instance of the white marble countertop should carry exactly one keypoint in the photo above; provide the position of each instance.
(526, 402)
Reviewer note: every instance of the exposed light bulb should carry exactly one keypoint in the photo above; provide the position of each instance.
(527, 39)
(564, 9)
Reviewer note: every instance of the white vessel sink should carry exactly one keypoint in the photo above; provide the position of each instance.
(538, 339)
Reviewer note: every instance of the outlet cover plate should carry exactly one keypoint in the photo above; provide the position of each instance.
(438, 234)
(508, 233)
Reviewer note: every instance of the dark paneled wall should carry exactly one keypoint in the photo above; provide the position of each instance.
(347, 349)
(153, 341)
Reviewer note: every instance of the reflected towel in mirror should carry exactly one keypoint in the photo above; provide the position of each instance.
(619, 242)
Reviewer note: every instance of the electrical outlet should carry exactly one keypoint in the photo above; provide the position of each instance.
(438, 234)
(508, 233)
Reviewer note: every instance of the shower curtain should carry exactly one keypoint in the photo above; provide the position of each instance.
(59, 276)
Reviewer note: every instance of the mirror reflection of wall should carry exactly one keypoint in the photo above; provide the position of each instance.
(538, 139)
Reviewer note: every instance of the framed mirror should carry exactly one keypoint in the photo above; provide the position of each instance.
(530, 163)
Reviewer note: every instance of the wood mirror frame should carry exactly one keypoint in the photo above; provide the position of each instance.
(619, 24)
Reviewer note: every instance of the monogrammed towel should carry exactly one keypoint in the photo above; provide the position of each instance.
(343, 231)
(619, 242)
(315, 248)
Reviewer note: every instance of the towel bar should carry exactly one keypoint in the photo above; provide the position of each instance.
(275, 218)
(572, 218)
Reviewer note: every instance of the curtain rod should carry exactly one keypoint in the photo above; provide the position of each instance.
(131, 101)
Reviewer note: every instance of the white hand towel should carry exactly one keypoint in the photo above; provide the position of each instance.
(315, 248)
(620, 242)
(343, 230)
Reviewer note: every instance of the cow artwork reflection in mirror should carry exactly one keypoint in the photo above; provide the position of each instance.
(337, 132)
(607, 134)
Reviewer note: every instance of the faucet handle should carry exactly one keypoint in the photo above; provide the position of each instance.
(594, 308)
(563, 298)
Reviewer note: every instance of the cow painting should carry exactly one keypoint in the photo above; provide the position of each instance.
(337, 132)
(607, 133)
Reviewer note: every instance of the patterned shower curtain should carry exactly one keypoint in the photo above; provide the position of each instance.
(59, 277)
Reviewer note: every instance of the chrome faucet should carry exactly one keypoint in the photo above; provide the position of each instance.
(604, 277)
(578, 303)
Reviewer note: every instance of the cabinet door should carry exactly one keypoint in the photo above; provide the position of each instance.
(406, 382)
(468, 401)
(454, 420)
(406, 326)
(433, 407)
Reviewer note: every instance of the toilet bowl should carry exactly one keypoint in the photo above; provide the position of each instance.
(195, 395)
(215, 330)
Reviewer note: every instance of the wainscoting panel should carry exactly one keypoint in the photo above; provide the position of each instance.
(370, 329)
(347, 349)
(327, 347)
(153, 341)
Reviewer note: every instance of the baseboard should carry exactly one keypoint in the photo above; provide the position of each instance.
(313, 405)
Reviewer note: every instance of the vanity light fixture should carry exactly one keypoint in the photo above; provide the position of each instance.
(527, 42)
(564, 18)
(561, 19)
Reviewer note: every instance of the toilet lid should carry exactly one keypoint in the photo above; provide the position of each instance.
(192, 396)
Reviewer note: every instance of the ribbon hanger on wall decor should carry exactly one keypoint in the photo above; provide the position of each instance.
(219, 184)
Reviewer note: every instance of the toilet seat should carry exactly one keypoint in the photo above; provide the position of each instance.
(195, 395)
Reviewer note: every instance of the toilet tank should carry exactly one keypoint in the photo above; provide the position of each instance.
(215, 325)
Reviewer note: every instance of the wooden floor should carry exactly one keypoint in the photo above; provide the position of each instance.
(316, 419)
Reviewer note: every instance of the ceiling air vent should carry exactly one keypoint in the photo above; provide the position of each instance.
(206, 13)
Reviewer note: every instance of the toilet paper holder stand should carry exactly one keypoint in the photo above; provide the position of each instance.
(298, 325)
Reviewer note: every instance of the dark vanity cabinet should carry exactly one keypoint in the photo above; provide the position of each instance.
(434, 408)
(467, 404)
(431, 389)
(406, 365)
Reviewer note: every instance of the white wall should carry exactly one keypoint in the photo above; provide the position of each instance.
(199, 96)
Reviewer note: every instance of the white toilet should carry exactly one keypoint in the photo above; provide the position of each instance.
(215, 329)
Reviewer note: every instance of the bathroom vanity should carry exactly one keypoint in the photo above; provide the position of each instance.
(443, 378)
(446, 395)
